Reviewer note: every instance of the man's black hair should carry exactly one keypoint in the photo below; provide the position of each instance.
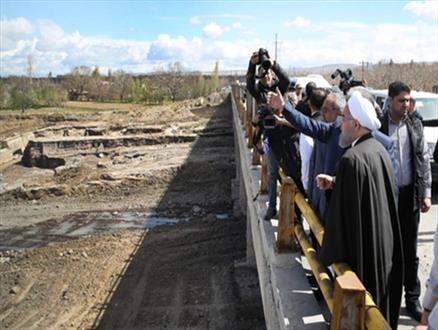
(309, 88)
(396, 87)
(317, 97)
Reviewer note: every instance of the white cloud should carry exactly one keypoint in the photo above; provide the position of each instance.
(166, 48)
(428, 8)
(51, 35)
(401, 42)
(57, 51)
(54, 50)
(212, 30)
(195, 20)
(299, 21)
(343, 25)
(16, 27)
(12, 30)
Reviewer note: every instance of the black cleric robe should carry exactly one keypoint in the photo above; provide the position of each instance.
(362, 227)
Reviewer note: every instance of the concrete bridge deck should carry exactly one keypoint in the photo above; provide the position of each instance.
(288, 299)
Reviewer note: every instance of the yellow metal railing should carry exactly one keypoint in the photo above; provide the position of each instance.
(349, 303)
(373, 318)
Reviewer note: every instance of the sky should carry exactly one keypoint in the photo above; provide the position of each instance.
(145, 36)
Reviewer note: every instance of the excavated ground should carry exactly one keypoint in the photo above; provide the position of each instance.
(79, 241)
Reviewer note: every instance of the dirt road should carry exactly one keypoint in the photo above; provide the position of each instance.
(77, 245)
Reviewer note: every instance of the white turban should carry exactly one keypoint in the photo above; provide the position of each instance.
(363, 111)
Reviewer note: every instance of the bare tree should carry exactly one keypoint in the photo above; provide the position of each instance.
(22, 95)
(29, 66)
(215, 78)
(122, 84)
(78, 81)
(174, 79)
(96, 72)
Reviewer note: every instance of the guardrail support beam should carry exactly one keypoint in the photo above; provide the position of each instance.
(349, 303)
(264, 175)
(286, 217)
(255, 157)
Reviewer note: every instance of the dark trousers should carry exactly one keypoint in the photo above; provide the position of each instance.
(409, 215)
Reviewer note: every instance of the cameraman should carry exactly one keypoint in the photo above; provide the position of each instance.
(280, 143)
(347, 81)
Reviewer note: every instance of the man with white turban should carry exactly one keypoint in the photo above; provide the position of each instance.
(361, 223)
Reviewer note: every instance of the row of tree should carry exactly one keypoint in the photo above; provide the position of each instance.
(23, 93)
(173, 84)
(419, 76)
(87, 84)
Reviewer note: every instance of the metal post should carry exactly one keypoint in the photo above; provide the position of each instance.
(276, 47)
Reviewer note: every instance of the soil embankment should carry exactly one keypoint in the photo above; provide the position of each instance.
(77, 245)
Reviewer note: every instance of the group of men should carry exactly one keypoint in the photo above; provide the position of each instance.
(367, 177)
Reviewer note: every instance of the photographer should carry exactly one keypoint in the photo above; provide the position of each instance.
(346, 80)
(279, 142)
(267, 82)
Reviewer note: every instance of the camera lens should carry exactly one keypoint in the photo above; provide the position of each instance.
(266, 64)
(264, 59)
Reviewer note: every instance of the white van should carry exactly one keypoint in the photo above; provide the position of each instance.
(316, 78)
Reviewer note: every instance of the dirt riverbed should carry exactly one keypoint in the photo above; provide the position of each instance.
(79, 241)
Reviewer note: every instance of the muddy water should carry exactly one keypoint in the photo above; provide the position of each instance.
(81, 224)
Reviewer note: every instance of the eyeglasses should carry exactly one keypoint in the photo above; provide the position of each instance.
(346, 118)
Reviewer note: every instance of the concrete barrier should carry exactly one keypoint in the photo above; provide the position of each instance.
(12, 145)
(288, 301)
(6, 155)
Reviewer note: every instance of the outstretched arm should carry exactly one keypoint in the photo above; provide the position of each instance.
(314, 128)
(250, 77)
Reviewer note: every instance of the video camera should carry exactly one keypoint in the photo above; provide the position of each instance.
(266, 119)
(346, 81)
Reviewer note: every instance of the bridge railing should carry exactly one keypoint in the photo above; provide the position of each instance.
(350, 305)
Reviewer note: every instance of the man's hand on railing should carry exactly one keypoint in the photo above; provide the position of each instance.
(275, 100)
(324, 181)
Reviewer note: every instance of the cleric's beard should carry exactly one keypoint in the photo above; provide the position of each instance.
(344, 140)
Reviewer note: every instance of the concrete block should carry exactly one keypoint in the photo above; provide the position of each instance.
(6, 156)
(15, 143)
